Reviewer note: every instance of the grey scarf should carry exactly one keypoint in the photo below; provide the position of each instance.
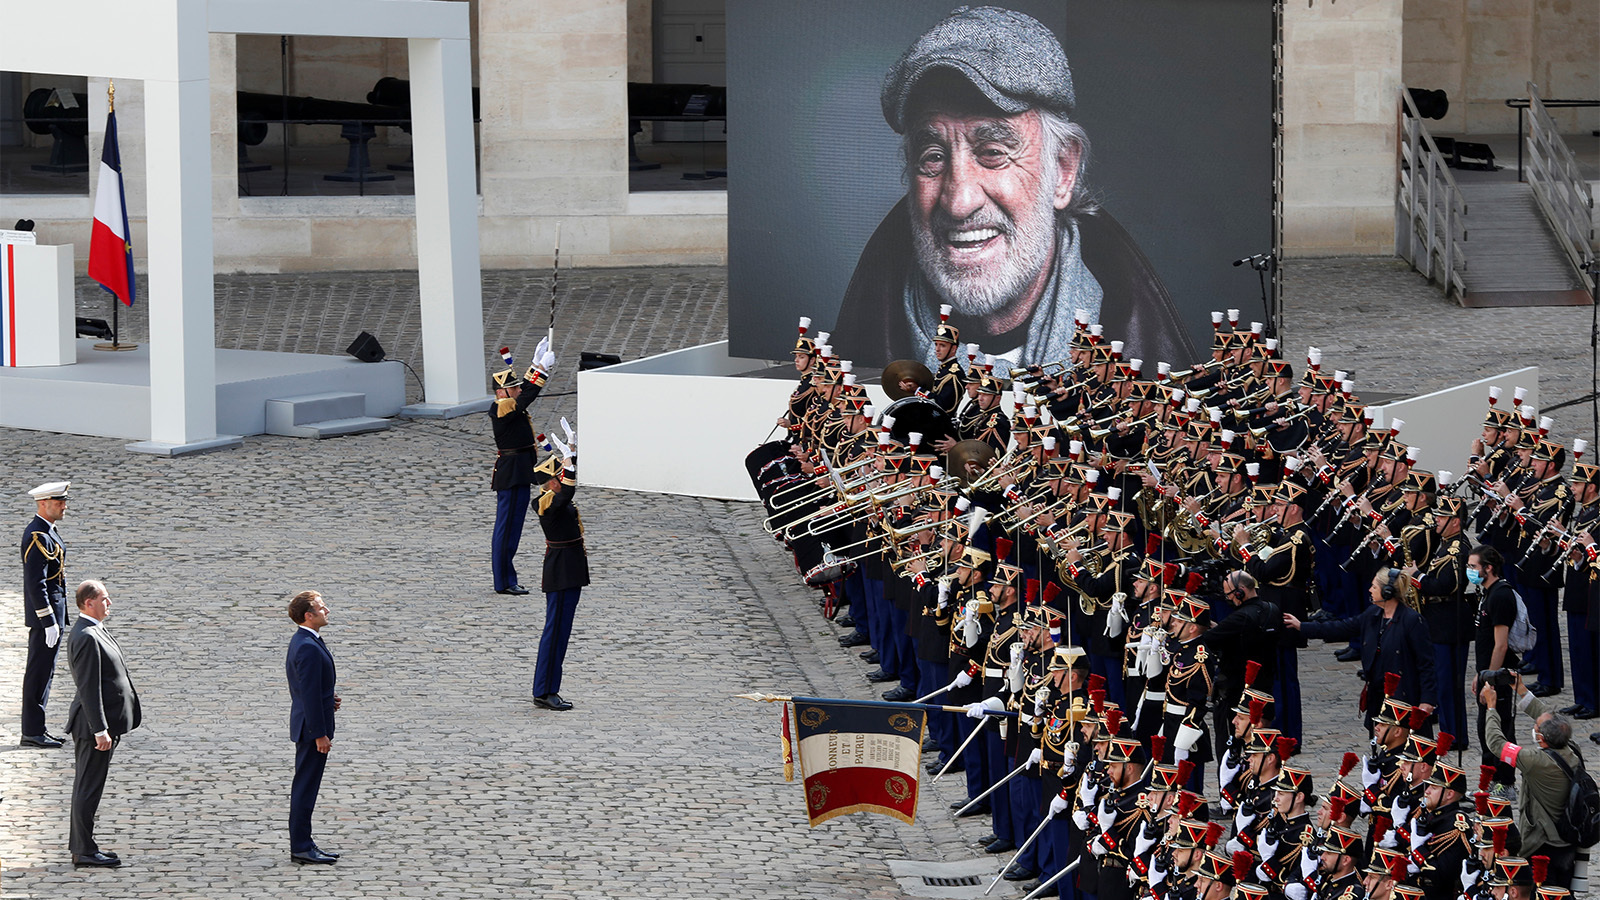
(1071, 286)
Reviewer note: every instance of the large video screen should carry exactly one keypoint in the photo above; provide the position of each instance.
(1017, 162)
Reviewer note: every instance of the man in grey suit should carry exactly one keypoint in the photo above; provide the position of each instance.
(105, 709)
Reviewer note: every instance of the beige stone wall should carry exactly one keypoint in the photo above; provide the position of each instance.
(1341, 85)
(1482, 51)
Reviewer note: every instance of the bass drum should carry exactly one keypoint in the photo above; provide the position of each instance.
(921, 415)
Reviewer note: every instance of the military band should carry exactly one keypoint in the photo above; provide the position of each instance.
(1132, 556)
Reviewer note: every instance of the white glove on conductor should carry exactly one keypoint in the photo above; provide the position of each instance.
(560, 445)
(543, 356)
(52, 635)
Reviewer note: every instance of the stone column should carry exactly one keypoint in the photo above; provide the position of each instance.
(1343, 80)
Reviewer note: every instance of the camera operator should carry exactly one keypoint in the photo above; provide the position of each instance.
(1543, 800)
(1497, 611)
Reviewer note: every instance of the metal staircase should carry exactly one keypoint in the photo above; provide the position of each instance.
(1496, 244)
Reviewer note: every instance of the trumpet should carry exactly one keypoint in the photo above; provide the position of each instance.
(1198, 368)
(1042, 370)
(846, 514)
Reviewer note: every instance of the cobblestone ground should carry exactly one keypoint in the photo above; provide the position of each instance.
(445, 779)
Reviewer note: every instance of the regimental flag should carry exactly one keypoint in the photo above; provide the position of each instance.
(859, 756)
(788, 747)
(111, 246)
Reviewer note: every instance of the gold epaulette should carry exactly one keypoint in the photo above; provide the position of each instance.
(504, 406)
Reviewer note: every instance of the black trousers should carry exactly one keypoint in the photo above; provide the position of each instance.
(87, 787)
(36, 678)
(308, 767)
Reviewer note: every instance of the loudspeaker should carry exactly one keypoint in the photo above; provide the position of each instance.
(365, 348)
(590, 360)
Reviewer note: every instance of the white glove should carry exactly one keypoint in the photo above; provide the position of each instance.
(1296, 891)
(1268, 846)
(560, 445)
(1058, 805)
(1117, 616)
(971, 630)
(52, 634)
(993, 704)
(1308, 863)
(944, 595)
(1226, 773)
(1158, 873)
(1152, 660)
(1261, 874)
(1035, 757)
(1418, 839)
(963, 678)
(543, 356)
(1038, 703)
(1370, 773)
(1234, 846)
(1088, 791)
(1388, 842)
(1098, 847)
(1242, 821)
(1400, 813)
(1080, 818)
(1146, 839)
(1469, 874)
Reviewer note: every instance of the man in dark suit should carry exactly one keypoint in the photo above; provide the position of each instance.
(44, 607)
(312, 704)
(566, 570)
(105, 709)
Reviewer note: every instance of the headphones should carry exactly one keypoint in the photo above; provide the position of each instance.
(1387, 592)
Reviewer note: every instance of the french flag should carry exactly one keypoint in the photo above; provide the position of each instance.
(110, 247)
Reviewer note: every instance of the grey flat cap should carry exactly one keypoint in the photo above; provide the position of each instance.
(1011, 58)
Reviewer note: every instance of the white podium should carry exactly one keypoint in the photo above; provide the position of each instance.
(38, 324)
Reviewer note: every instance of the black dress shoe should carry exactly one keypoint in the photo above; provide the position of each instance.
(988, 839)
(999, 845)
(977, 809)
(42, 741)
(1348, 654)
(930, 744)
(1595, 736)
(516, 590)
(319, 850)
(97, 859)
(313, 856)
(1540, 689)
(846, 621)
(853, 639)
(1569, 710)
(870, 656)
(552, 701)
(1528, 668)
(1018, 873)
(878, 675)
(1584, 712)
(899, 694)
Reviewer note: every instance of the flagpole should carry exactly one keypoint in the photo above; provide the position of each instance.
(111, 108)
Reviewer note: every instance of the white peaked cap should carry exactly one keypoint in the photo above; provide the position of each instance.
(50, 490)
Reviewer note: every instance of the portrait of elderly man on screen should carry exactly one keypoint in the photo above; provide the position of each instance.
(997, 221)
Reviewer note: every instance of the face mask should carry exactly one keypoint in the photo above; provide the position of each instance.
(1475, 576)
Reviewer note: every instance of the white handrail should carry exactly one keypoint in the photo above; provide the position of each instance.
(1430, 212)
(1558, 187)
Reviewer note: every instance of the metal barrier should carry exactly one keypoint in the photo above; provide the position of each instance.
(1560, 190)
(1430, 214)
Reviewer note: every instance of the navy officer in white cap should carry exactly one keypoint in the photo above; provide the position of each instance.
(44, 600)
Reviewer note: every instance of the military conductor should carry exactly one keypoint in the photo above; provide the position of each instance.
(105, 709)
(566, 571)
(513, 463)
(312, 703)
(44, 601)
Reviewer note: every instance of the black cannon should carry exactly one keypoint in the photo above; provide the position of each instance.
(68, 130)
(358, 124)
